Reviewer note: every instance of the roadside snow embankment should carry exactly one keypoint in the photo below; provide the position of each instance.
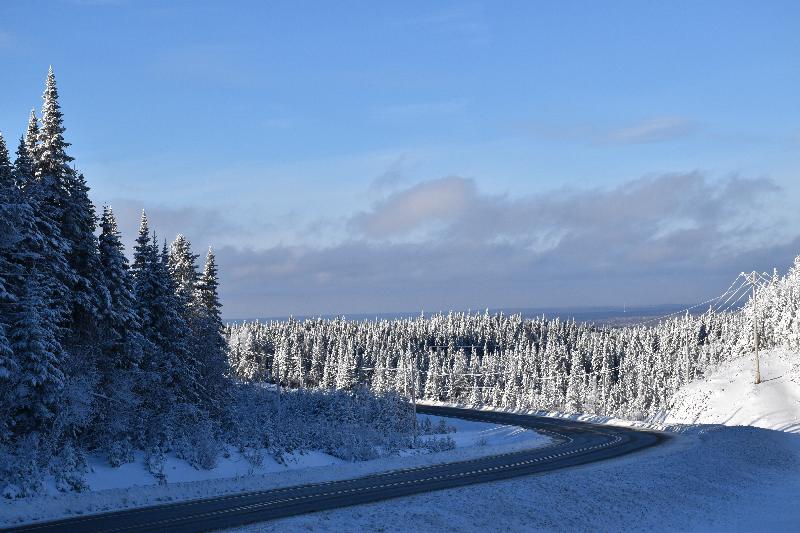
(131, 485)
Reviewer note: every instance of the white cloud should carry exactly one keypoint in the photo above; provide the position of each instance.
(405, 211)
(442, 244)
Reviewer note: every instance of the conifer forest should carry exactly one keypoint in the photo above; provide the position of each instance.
(102, 354)
(511, 362)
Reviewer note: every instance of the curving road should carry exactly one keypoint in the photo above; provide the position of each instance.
(576, 443)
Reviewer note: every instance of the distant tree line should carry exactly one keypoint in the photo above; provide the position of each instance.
(508, 361)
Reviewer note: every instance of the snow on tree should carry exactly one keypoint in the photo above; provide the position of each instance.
(50, 154)
(24, 163)
(41, 170)
(183, 269)
(9, 232)
(209, 332)
(575, 392)
(122, 348)
(39, 378)
(538, 363)
(94, 353)
(66, 196)
(121, 325)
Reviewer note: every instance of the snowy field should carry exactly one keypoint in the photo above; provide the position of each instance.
(709, 477)
(131, 485)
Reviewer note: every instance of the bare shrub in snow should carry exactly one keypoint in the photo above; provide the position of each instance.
(439, 444)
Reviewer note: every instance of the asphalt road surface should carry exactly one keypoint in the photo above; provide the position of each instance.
(576, 444)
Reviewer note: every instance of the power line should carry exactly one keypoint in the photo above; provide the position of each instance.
(687, 309)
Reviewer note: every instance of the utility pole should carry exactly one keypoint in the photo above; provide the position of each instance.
(414, 393)
(277, 379)
(753, 282)
(688, 362)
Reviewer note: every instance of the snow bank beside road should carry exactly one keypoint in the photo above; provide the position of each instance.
(465, 434)
(130, 486)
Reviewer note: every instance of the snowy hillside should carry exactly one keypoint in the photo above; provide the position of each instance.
(729, 395)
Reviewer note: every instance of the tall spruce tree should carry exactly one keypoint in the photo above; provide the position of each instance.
(177, 333)
(159, 365)
(50, 150)
(183, 270)
(74, 212)
(142, 273)
(40, 170)
(122, 347)
(26, 152)
(213, 353)
(120, 324)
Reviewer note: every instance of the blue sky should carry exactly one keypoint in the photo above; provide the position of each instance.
(376, 156)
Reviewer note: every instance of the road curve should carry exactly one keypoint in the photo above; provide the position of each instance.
(576, 443)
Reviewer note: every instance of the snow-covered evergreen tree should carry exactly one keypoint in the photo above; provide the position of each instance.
(32, 355)
(176, 332)
(9, 271)
(122, 347)
(94, 353)
(183, 269)
(45, 194)
(9, 235)
(66, 198)
(120, 323)
(575, 392)
(25, 162)
(39, 379)
(209, 333)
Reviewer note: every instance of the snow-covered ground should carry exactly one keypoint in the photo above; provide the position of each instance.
(730, 396)
(132, 486)
(469, 433)
(708, 477)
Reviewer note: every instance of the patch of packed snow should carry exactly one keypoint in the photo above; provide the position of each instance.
(132, 486)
